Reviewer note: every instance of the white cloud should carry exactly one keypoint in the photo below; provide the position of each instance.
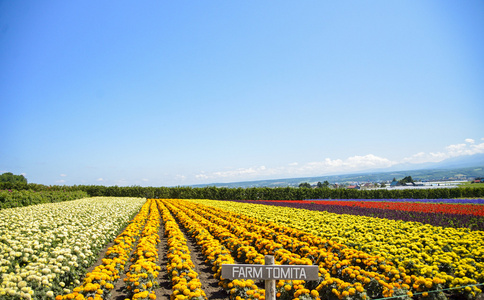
(337, 166)
(202, 176)
(145, 180)
(468, 148)
(241, 172)
(62, 175)
(100, 179)
(354, 163)
(60, 181)
(180, 177)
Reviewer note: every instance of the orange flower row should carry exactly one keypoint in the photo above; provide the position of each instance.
(353, 269)
(216, 254)
(140, 281)
(251, 239)
(185, 281)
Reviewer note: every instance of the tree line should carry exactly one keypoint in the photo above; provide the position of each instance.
(254, 193)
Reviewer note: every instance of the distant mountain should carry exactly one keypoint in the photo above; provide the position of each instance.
(463, 167)
(463, 161)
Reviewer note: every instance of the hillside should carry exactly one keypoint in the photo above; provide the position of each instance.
(418, 175)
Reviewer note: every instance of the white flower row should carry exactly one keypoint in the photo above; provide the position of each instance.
(43, 248)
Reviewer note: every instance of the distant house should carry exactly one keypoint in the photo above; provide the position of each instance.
(354, 187)
(394, 184)
(367, 185)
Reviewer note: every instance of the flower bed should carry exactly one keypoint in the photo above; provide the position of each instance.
(382, 210)
(358, 257)
(452, 256)
(402, 205)
(44, 249)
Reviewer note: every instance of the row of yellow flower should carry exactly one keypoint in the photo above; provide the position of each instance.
(259, 246)
(447, 257)
(185, 281)
(216, 254)
(99, 283)
(285, 289)
(140, 280)
(239, 246)
(343, 263)
(235, 244)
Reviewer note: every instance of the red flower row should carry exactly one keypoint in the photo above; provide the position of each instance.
(460, 209)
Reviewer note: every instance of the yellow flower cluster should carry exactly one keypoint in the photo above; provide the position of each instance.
(252, 234)
(237, 238)
(216, 254)
(413, 251)
(98, 283)
(140, 280)
(180, 268)
(291, 250)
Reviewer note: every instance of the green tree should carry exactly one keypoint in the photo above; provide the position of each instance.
(325, 184)
(305, 185)
(406, 179)
(10, 177)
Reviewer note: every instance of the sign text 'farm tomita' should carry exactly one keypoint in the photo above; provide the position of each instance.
(270, 272)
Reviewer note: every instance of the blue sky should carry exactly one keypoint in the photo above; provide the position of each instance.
(163, 93)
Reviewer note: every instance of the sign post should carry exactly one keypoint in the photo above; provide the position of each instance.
(270, 284)
(270, 272)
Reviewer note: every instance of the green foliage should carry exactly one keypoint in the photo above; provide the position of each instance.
(305, 185)
(10, 177)
(325, 184)
(253, 193)
(405, 180)
(16, 198)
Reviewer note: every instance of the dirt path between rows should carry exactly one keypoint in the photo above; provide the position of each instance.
(163, 291)
(204, 270)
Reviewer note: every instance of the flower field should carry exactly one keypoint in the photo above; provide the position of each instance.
(46, 248)
(446, 208)
(436, 214)
(45, 252)
(452, 256)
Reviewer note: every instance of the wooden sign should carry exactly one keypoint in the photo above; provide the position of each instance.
(270, 272)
